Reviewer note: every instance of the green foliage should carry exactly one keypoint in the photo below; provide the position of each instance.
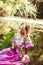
(37, 40)
(7, 42)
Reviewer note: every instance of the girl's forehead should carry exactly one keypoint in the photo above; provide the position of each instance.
(22, 26)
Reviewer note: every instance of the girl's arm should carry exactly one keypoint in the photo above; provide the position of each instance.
(15, 46)
(29, 38)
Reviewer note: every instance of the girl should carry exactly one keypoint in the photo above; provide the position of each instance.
(27, 43)
(23, 42)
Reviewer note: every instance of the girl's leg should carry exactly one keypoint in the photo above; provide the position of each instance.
(26, 58)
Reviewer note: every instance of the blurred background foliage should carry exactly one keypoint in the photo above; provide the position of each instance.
(23, 8)
(7, 31)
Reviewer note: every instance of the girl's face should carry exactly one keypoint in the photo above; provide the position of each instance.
(24, 29)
